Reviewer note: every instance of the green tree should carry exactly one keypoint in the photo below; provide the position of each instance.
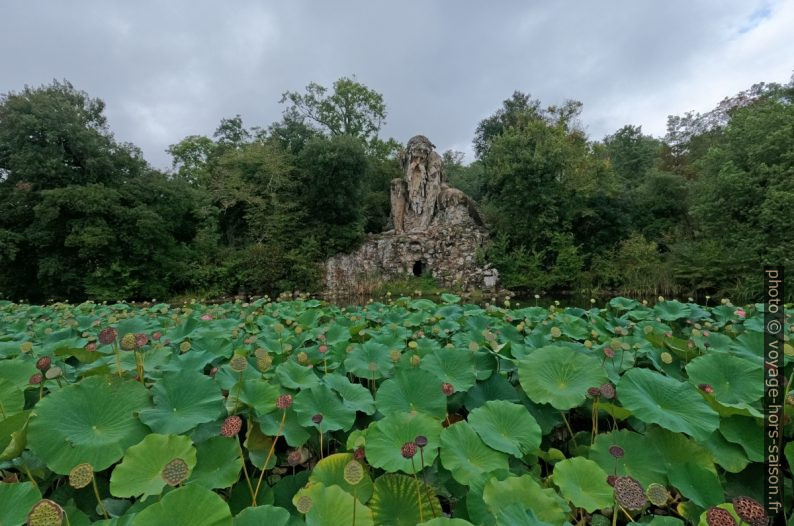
(351, 108)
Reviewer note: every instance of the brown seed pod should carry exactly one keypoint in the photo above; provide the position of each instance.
(45, 513)
(749, 510)
(231, 426)
(81, 476)
(629, 493)
(175, 472)
(719, 517)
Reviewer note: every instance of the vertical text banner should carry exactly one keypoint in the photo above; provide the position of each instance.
(774, 329)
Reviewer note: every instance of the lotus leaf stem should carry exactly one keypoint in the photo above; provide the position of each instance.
(98, 499)
(269, 455)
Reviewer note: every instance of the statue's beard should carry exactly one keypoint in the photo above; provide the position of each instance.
(416, 184)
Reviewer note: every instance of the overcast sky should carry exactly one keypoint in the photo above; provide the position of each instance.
(168, 69)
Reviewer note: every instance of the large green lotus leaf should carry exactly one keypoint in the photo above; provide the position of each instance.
(583, 483)
(453, 366)
(559, 376)
(370, 361)
(355, 396)
(293, 432)
(332, 506)
(218, 463)
(747, 432)
(182, 401)
(259, 394)
(574, 327)
(547, 505)
(445, 521)
(466, 456)
(293, 375)
(731, 457)
(672, 310)
(412, 390)
(270, 515)
(737, 382)
(187, 506)
(89, 422)
(140, 472)
(506, 427)
(321, 400)
(13, 435)
(696, 483)
(16, 501)
(400, 500)
(12, 401)
(496, 387)
(514, 514)
(674, 405)
(641, 459)
(659, 520)
(386, 437)
(331, 471)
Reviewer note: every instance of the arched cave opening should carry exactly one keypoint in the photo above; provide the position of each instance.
(419, 268)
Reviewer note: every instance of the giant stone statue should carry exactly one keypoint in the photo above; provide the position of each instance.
(435, 231)
(423, 189)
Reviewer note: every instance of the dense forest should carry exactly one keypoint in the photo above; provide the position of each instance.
(255, 209)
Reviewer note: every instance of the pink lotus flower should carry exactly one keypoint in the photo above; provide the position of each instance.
(207, 317)
(741, 313)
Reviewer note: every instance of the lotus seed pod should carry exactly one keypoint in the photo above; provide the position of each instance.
(395, 355)
(284, 402)
(303, 504)
(415, 359)
(263, 363)
(599, 520)
(607, 391)
(35, 379)
(447, 389)
(128, 342)
(555, 332)
(43, 363)
(303, 358)
(81, 476)
(616, 451)
(26, 347)
(294, 457)
(629, 493)
(45, 513)
(667, 357)
(420, 441)
(323, 349)
(412, 345)
(278, 328)
(287, 348)
(719, 517)
(231, 426)
(608, 352)
(408, 450)
(175, 472)
(750, 510)
(53, 373)
(588, 344)
(184, 346)
(657, 494)
(474, 346)
(354, 472)
(317, 419)
(238, 363)
(141, 340)
(359, 453)
(107, 335)
(593, 391)
(260, 352)
(706, 388)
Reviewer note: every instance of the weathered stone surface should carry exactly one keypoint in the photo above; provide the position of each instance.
(436, 230)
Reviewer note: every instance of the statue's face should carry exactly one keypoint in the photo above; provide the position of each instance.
(420, 151)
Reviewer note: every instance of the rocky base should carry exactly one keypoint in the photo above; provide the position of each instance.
(446, 251)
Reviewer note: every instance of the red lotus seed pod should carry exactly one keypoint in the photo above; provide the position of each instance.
(719, 517)
(447, 389)
(408, 450)
(213, 372)
(593, 391)
(35, 379)
(420, 441)
(231, 426)
(43, 363)
(607, 391)
(323, 348)
(317, 419)
(141, 340)
(294, 457)
(706, 388)
(107, 336)
(608, 352)
(284, 402)
(616, 451)
(90, 347)
(359, 453)
(750, 510)
(156, 335)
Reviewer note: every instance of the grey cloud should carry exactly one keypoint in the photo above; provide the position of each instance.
(171, 69)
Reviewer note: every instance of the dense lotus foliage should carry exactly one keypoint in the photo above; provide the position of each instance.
(400, 413)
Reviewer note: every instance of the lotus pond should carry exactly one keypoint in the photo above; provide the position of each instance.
(402, 413)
